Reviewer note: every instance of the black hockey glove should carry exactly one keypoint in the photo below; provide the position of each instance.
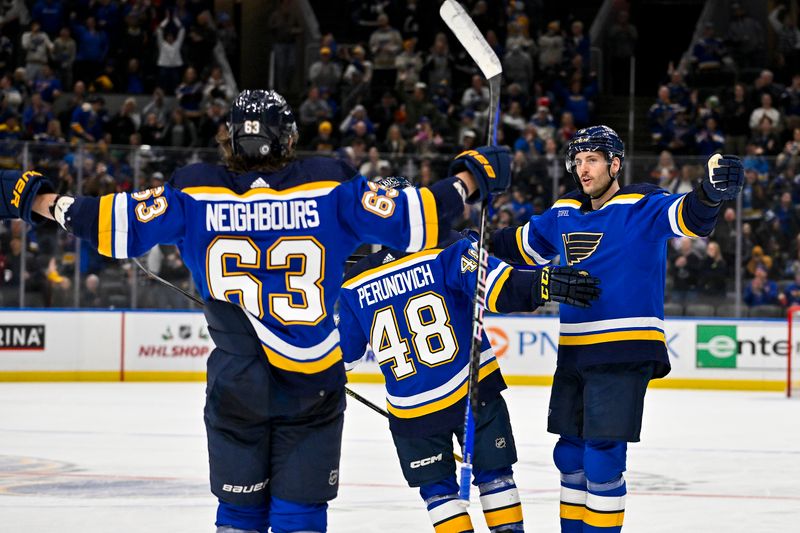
(18, 191)
(491, 166)
(724, 177)
(566, 285)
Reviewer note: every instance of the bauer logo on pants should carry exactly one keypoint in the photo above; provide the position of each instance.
(22, 337)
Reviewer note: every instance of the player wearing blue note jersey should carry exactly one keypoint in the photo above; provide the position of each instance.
(608, 353)
(266, 239)
(414, 310)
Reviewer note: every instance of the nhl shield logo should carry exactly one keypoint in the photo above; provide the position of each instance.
(333, 478)
(580, 246)
(500, 443)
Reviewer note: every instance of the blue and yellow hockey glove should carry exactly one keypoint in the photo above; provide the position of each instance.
(18, 190)
(566, 285)
(490, 165)
(724, 177)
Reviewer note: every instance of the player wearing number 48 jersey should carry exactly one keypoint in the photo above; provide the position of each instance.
(266, 239)
(414, 310)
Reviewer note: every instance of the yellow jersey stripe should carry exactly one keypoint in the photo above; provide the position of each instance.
(495, 291)
(262, 190)
(393, 265)
(445, 402)
(631, 196)
(521, 248)
(314, 367)
(681, 222)
(431, 217)
(597, 338)
(457, 524)
(572, 512)
(566, 203)
(595, 519)
(499, 517)
(104, 224)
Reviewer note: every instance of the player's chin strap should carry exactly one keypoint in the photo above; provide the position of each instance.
(199, 302)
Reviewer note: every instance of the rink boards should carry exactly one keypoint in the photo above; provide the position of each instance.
(67, 345)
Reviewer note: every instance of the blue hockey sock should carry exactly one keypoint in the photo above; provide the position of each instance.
(605, 507)
(244, 517)
(445, 510)
(502, 508)
(287, 516)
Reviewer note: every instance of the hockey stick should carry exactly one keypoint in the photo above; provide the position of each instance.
(479, 50)
(199, 302)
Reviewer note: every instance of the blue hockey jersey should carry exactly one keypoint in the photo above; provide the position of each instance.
(415, 312)
(274, 244)
(624, 244)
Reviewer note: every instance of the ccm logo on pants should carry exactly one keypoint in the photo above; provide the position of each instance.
(427, 461)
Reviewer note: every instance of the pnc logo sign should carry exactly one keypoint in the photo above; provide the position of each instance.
(498, 339)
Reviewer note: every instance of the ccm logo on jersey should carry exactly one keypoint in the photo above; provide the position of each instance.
(245, 489)
(480, 159)
(427, 461)
(20, 186)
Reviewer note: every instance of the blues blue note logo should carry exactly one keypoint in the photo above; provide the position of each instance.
(580, 246)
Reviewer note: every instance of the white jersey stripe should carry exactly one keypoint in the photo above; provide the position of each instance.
(672, 215)
(290, 351)
(261, 197)
(446, 510)
(528, 249)
(389, 269)
(497, 500)
(606, 504)
(416, 220)
(441, 391)
(614, 323)
(121, 225)
(573, 496)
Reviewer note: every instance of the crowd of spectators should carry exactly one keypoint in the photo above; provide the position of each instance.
(394, 95)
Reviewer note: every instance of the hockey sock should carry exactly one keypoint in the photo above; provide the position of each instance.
(568, 457)
(605, 507)
(500, 500)
(287, 516)
(242, 518)
(446, 512)
(573, 502)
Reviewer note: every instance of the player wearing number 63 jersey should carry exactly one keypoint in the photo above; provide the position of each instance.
(266, 240)
(414, 310)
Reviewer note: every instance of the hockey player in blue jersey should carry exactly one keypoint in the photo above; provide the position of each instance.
(608, 353)
(266, 238)
(415, 311)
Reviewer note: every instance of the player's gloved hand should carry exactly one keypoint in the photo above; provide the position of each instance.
(724, 177)
(566, 285)
(490, 165)
(18, 190)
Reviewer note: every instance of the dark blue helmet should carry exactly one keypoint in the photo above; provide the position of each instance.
(594, 139)
(261, 125)
(394, 182)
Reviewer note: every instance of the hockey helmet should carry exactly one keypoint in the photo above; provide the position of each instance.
(261, 124)
(594, 139)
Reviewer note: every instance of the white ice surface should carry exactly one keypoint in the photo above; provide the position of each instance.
(131, 458)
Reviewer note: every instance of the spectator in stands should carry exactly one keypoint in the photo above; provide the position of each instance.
(745, 38)
(324, 72)
(35, 117)
(766, 110)
(158, 106)
(65, 50)
(758, 260)
(409, 66)
(50, 14)
(132, 80)
(88, 120)
(37, 47)
(53, 134)
(665, 171)
(359, 69)
(170, 61)
(544, 123)
(790, 103)
(518, 67)
(754, 194)
(621, 46)
(736, 120)
(125, 122)
(312, 111)
(765, 83)
(476, 96)
(784, 23)
(761, 290)
(766, 137)
(684, 182)
(92, 52)
(708, 53)
(520, 205)
(395, 146)
(679, 135)
(285, 28)
(439, 65)
(661, 116)
(678, 90)
(791, 294)
(713, 273)
(371, 168)
(152, 131)
(417, 106)
(685, 271)
(710, 138)
(786, 213)
(217, 87)
(725, 234)
(383, 114)
(790, 155)
(180, 131)
(385, 44)
(200, 43)
(427, 140)
(578, 43)
(578, 101)
(551, 49)
(323, 142)
(190, 94)
(517, 35)
(92, 295)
